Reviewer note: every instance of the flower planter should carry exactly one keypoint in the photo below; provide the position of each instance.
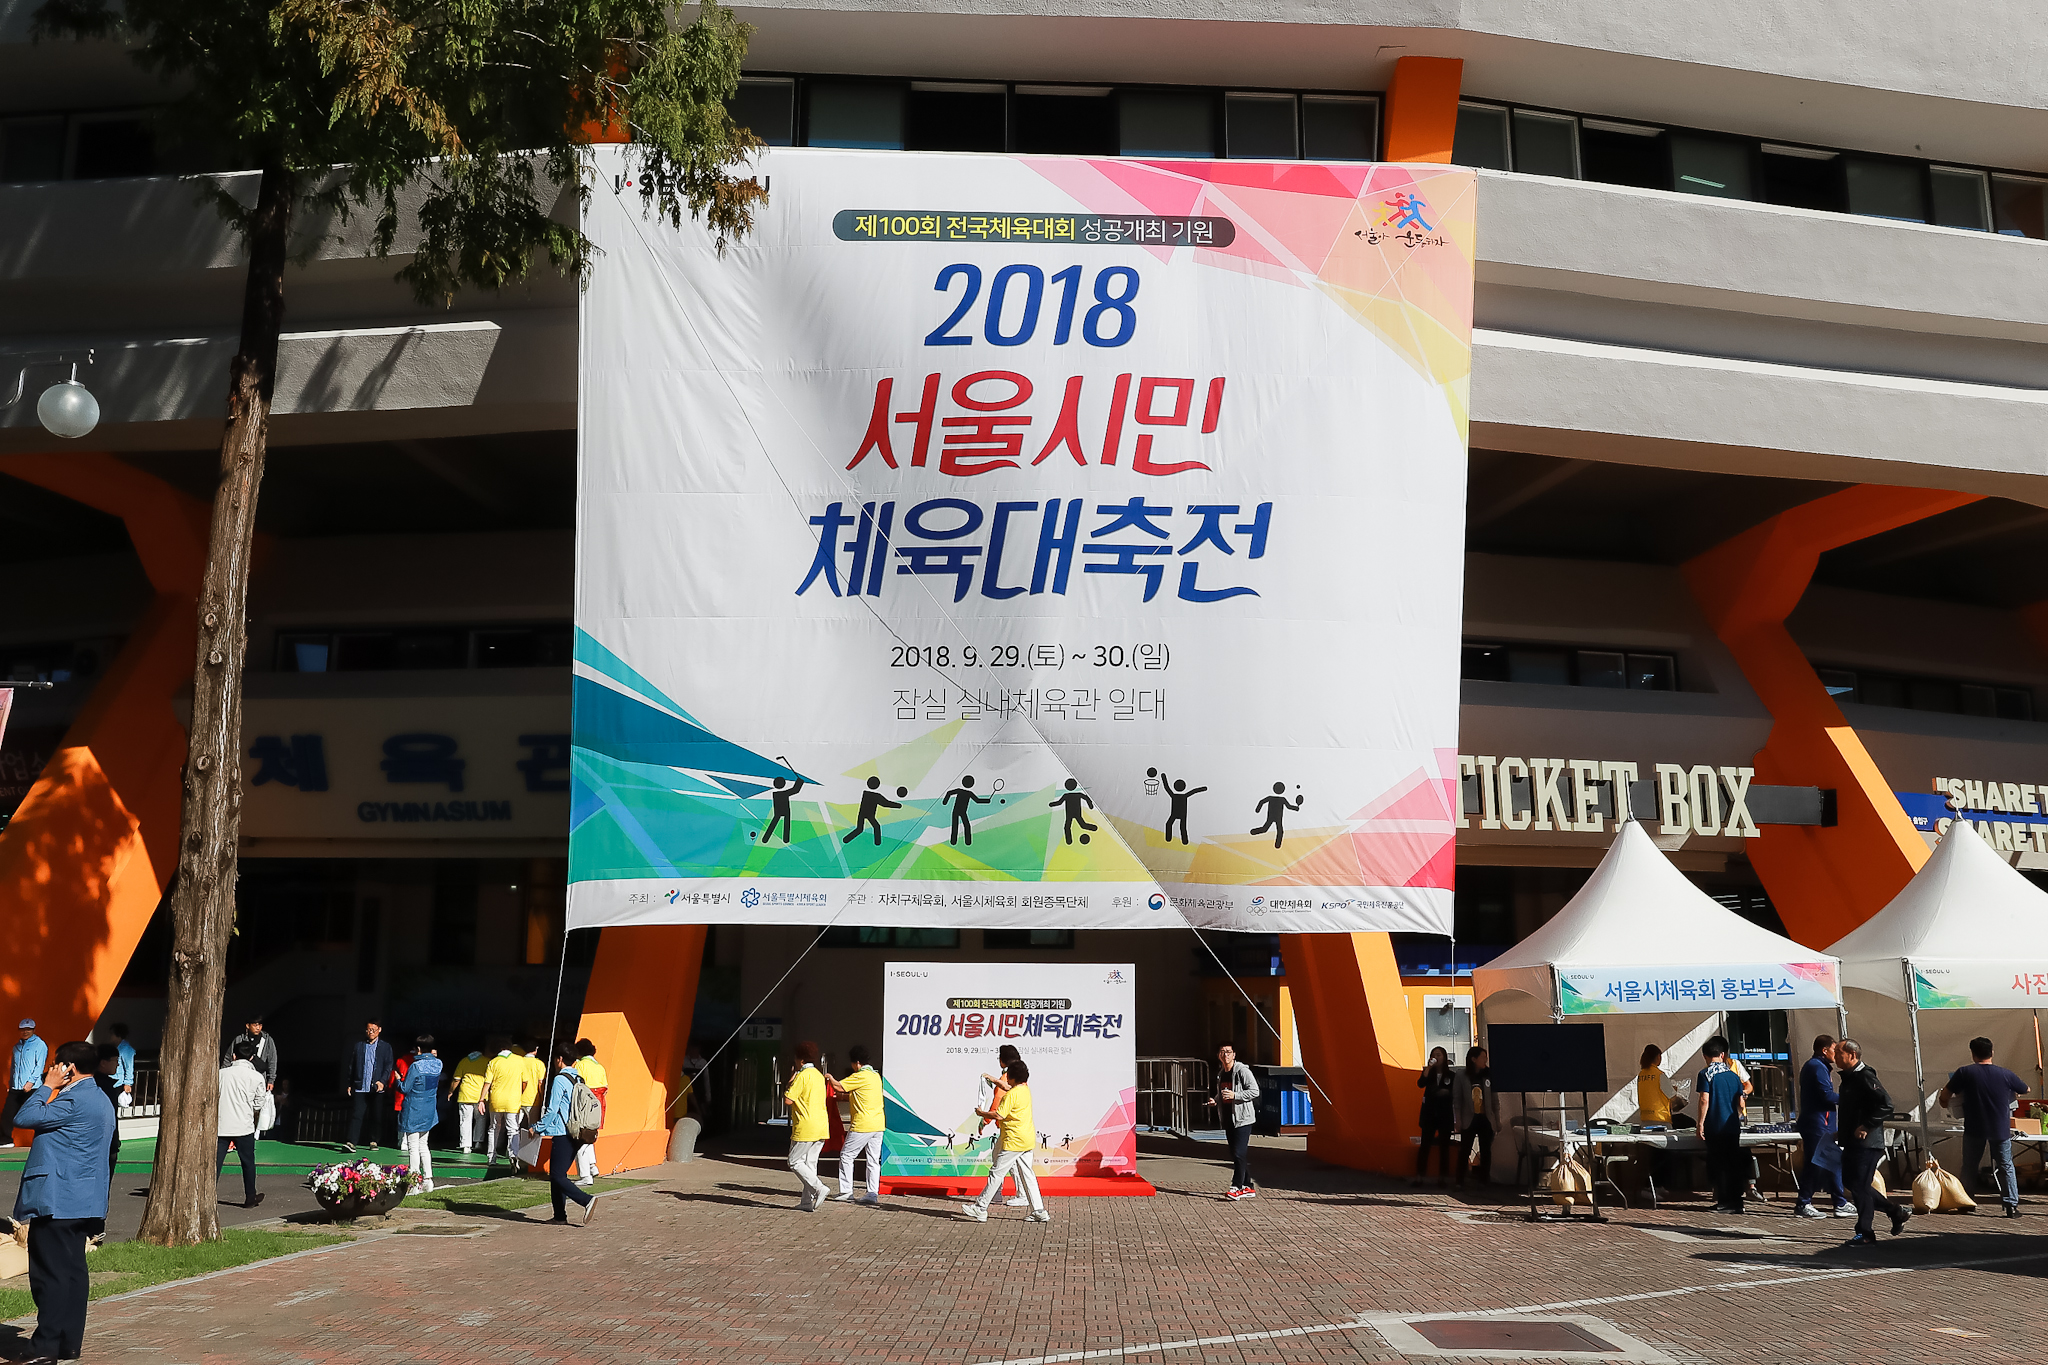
(348, 1206)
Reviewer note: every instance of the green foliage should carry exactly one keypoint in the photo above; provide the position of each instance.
(119, 1267)
(466, 116)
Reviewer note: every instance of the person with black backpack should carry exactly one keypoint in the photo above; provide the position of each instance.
(570, 1106)
(1865, 1105)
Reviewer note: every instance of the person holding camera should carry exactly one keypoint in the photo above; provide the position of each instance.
(63, 1195)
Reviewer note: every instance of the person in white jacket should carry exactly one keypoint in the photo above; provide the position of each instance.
(242, 1092)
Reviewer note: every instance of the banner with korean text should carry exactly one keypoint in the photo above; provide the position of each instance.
(1667, 990)
(1030, 542)
(943, 1024)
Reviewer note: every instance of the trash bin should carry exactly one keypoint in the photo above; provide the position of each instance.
(1283, 1099)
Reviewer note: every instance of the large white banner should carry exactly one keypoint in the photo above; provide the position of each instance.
(1024, 541)
(1074, 1026)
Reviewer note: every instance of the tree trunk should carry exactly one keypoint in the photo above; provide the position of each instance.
(183, 1184)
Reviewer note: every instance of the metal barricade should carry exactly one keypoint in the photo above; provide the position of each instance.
(1170, 1089)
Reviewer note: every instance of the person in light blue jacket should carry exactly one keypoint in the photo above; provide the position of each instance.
(422, 1091)
(554, 1123)
(124, 1067)
(31, 1057)
(63, 1194)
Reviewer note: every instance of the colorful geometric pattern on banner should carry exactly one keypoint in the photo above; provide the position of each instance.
(1024, 542)
(1075, 1026)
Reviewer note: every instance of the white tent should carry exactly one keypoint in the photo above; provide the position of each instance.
(1970, 935)
(1648, 954)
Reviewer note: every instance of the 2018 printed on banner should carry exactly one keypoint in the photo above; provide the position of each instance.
(1024, 542)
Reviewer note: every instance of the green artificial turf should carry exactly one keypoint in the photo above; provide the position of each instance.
(506, 1193)
(118, 1267)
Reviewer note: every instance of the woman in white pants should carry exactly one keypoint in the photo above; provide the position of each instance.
(421, 1110)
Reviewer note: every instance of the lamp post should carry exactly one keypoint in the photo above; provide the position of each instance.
(66, 408)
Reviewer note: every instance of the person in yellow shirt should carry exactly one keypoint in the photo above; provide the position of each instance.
(808, 1126)
(466, 1087)
(501, 1103)
(1017, 1139)
(592, 1072)
(536, 1081)
(863, 1090)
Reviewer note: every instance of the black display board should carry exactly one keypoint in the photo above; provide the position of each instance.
(1547, 1057)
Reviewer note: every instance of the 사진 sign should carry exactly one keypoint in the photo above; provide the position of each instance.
(1024, 542)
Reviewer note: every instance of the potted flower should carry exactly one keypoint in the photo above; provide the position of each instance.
(360, 1189)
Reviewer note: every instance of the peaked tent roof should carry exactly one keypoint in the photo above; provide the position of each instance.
(1966, 906)
(1636, 910)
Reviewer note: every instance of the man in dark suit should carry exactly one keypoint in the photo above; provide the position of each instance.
(1865, 1105)
(364, 1069)
(63, 1195)
(1817, 1105)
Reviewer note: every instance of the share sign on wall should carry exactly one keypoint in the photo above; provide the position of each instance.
(1074, 1024)
(1024, 541)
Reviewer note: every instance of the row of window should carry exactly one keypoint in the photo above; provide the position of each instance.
(414, 647)
(1944, 695)
(100, 145)
(840, 936)
(1578, 147)
(1562, 666)
(1080, 120)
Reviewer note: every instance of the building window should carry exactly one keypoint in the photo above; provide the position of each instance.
(1027, 938)
(948, 117)
(2017, 206)
(1802, 178)
(1063, 120)
(1560, 666)
(427, 647)
(768, 108)
(1623, 154)
(1962, 199)
(1340, 127)
(1546, 144)
(1715, 166)
(1166, 123)
(840, 936)
(1887, 189)
(1260, 126)
(1481, 137)
(1942, 695)
(866, 115)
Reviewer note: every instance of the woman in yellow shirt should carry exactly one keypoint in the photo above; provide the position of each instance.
(1652, 1104)
(808, 1127)
(1019, 1138)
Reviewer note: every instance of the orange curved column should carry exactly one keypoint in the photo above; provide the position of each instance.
(1422, 108)
(637, 1010)
(1360, 1046)
(85, 859)
(1824, 881)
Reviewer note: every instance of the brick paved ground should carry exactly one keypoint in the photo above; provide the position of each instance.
(712, 1263)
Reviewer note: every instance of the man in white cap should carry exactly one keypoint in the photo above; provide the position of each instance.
(30, 1056)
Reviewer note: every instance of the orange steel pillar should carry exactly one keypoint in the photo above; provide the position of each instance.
(643, 991)
(1358, 1040)
(1824, 881)
(86, 858)
(1422, 108)
(1358, 1044)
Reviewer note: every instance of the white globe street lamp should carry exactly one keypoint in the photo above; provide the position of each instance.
(68, 409)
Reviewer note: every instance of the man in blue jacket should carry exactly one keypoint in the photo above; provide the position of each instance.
(31, 1059)
(64, 1195)
(1818, 1106)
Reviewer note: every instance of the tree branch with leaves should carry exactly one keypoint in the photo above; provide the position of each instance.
(460, 125)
